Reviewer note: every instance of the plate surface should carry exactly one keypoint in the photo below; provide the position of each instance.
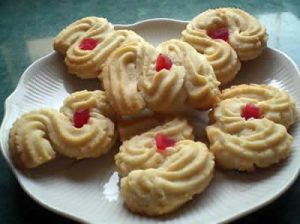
(87, 190)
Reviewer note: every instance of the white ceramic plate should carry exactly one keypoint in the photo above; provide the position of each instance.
(87, 190)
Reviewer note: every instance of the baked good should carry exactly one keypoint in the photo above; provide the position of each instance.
(28, 143)
(163, 168)
(162, 85)
(219, 54)
(140, 151)
(187, 170)
(121, 75)
(212, 31)
(88, 42)
(82, 28)
(94, 136)
(165, 79)
(37, 136)
(190, 80)
(96, 100)
(248, 129)
(275, 105)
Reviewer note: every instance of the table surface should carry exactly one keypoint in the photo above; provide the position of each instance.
(28, 27)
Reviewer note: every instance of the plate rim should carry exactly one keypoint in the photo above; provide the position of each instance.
(7, 108)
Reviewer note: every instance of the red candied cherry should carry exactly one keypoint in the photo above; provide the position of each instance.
(88, 44)
(81, 117)
(221, 33)
(250, 111)
(162, 141)
(163, 62)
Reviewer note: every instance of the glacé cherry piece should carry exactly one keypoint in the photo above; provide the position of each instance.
(162, 141)
(163, 62)
(88, 44)
(81, 117)
(250, 111)
(221, 33)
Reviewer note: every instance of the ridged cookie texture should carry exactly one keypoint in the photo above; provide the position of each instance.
(245, 144)
(122, 73)
(247, 37)
(156, 183)
(186, 171)
(275, 105)
(132, 83)
(219, 54)
(37, 136)
(140, 151)
(96, 100)
(200, 83)
(95, 26)
(88, 63)
(29, 144)
(163, 90)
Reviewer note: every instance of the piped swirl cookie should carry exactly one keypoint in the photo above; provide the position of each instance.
(79, 131)
(133, 155)
(248, 130)
(163, 168)
(98, 27)
(122, 73)
(88, 42)
(196, 84)
(225, 36)
(163, 79)
(274, 104)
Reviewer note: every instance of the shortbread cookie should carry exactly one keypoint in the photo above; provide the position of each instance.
(29, 144)
(122, 73)
(96, 100)
(195, 85)
(162, 84)
(186, 171)
(95, 131)
(200, 84)
(163, 79)
(163, 169)
(88, 42)
(88, 63)
(133, 155)
(86, 27)
(219, 54)
(209, 31)
(248, 130)
(274, 104)
(36, 137)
